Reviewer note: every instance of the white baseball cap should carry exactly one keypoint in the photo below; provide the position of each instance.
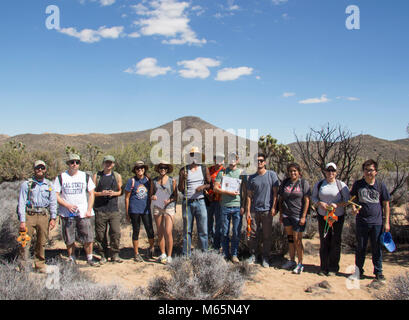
(331, 164)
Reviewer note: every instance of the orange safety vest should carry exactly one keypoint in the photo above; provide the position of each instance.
(213, 174)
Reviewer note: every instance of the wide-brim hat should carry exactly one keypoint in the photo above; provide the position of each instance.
(73, 156)
(164, 162)
(140, 164)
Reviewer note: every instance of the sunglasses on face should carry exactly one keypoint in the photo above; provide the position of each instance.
(39, 168)
(163, 168)
(260, 160)
(331, 170)
(74, 162)
(139, 168)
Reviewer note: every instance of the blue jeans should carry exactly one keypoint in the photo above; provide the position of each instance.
(231, 214)
(214, 214)
(363, 232)
(195, 210)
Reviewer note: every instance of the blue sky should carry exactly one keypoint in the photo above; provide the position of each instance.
(278, 66)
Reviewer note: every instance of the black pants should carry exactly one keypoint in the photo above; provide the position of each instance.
(136, 225)
(330, 246)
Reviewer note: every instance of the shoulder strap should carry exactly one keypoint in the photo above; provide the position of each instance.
(29, 187)
(60, 180)
(98, 178)
(133, 183)
(339, 185)
(203, 172)
(319, 187)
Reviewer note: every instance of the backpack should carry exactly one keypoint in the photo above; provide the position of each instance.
(101, 173)
(310, 207)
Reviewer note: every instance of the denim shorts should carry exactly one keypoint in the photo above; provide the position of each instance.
(295, 223)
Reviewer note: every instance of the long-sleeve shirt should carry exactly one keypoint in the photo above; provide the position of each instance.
(42, 195)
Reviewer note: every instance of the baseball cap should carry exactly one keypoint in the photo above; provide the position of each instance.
(39, 162)
(331, 164)
(109, 158)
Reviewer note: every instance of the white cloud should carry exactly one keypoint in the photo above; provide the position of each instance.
(167, 18)
(107, 2)
(134, 35)
(278, 2)
(229, 74)
(90, 35)
(288, 94)
(323, 99)
(349, 98)
(198, 68)
(148, 67)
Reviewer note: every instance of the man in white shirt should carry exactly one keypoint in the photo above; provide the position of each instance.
(75, 208)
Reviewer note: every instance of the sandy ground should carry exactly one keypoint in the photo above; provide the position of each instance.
(267, 284)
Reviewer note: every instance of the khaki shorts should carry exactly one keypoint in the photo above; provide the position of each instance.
(77, 228)
(158, 211)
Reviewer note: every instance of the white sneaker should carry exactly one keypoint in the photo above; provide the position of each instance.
(290, 264)
(298, 269)
(169, 259)
(162, 258)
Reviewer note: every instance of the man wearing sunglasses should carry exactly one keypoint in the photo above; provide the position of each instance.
(193, 180)
(262, 190)
(37, 210)
(76, 208)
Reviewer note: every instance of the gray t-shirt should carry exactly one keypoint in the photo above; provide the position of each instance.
(262, 188)
(293, 194)
(329, 193)
(195, 179)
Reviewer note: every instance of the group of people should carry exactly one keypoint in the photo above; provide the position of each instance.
(218, 198)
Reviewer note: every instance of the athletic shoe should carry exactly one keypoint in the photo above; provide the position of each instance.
(116, 259)
(298, 269)
(265, 263)
(289, 265)
(162, 258)
(138, 258)
(169, 259)
(380, 277)
(93, 263)
(234, 259)
(252, 259)
(322, 273)
(332, 274)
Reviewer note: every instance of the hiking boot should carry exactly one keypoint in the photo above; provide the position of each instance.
(251, 260)
(289, 265)
(298, 269)
(93, 263)
(116, 259)
(234, 259)
(265, 263)
(138, 258)
(162, 258)
(151, 253)
(380, 277)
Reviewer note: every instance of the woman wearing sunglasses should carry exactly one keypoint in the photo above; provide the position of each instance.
(329, 194)
(137, 206)
(164, 196)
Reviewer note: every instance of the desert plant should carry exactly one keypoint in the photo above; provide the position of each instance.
(203, 276)
(398, 289)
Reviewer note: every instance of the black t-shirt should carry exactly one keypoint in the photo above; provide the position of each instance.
(370, 198)
(106, 204)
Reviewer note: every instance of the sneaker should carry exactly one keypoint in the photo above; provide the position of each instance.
(289, 265)
(332, 274)
(265, 263)
(322, 273)
(162, 258)
(138, 258)
(168, 259)
(234, 259)
(72, 260)
(380, 277)
(93, 263)
(298, 269)
(252, 259)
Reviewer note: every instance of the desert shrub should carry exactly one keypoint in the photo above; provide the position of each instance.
(9, 192)
(205, 276)
(398, 289)
(311, 227)
(74, 285)
(348, 243)
(15, 162)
